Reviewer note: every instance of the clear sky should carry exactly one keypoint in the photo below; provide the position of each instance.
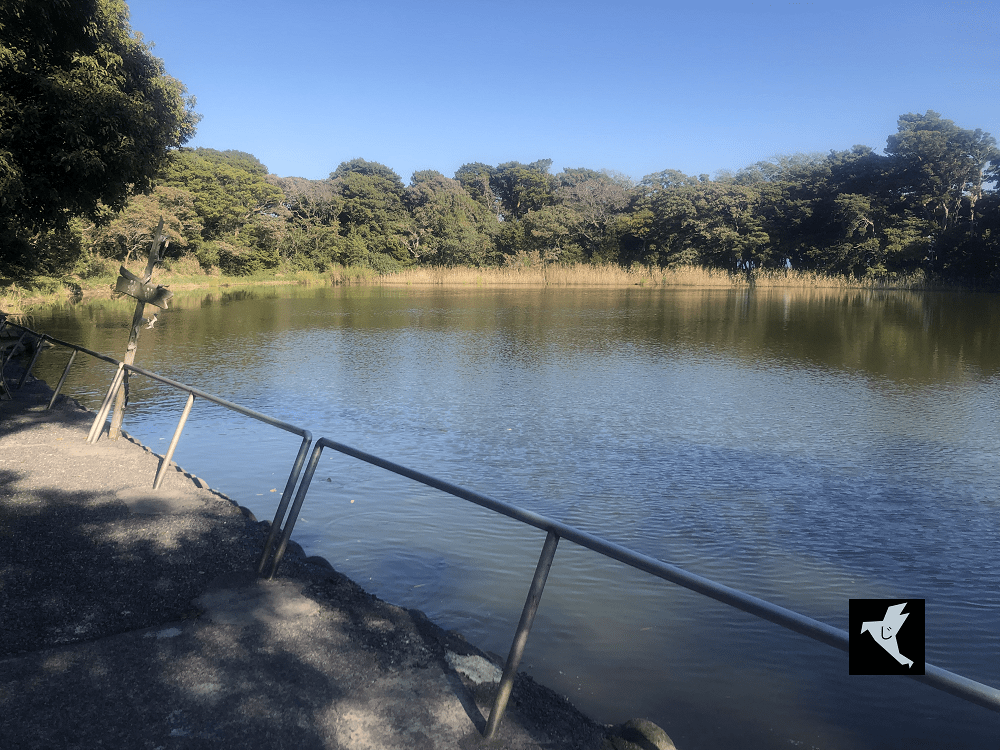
(633, 86)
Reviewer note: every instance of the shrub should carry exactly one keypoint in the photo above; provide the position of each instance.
(244, 261)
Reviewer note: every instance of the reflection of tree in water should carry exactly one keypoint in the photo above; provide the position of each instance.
(241, 295)
(922, 336)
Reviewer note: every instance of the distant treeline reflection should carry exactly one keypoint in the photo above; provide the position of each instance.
(900, 335)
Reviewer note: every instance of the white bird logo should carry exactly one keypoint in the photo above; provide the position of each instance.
(884, 632)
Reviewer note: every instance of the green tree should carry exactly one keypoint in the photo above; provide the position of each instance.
(87, 115)
(598, 201)
(242, 212)
(476, 178)
(939, 172)
(728, 228)
(312, 240)
(938, 164)
(130, 232)
(656, 231)
(230, 189)
(553, 233)
(372, 214)
(449, 226)
(522, 187)
(851, 246)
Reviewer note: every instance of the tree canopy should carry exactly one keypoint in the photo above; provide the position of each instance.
(929, 204)
(87, 115)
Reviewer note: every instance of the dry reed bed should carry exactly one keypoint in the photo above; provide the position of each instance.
(613, 275)
(15, 300)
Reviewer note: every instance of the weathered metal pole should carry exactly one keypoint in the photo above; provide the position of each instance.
(158, 479)
(521, 636)
(114, 432)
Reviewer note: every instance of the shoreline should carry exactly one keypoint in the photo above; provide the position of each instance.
(80, 291)
(397, 643)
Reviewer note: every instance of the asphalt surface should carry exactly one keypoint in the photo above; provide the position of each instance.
(129, 619)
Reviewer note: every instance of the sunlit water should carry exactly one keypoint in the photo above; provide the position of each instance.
(806, 447)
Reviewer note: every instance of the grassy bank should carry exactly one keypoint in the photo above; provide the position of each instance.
(20, 297)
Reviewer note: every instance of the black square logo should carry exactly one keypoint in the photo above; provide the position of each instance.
(887, 636)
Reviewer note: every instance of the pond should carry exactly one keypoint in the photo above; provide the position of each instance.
(805, 446)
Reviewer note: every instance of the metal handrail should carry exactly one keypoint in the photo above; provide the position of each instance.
(192, 392)
(122, 371)
(936, 677)
(42, 338)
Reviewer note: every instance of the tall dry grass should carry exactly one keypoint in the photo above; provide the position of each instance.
(556, 275)
(610, 275)
(524, 271)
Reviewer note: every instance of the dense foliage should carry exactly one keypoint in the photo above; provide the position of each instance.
(87, 116)
(929, 205)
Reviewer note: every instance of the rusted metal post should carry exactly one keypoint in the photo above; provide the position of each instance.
(114, 432)
(521, 636)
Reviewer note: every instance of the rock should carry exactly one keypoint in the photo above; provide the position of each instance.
(476, 668)
(638, 734)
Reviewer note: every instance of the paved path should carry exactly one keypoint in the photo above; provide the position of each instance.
(128, 620)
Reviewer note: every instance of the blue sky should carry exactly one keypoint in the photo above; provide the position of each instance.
(639, 88)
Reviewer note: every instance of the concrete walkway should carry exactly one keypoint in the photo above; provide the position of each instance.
(128, 620)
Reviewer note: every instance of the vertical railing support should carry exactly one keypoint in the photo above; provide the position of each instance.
(173, 442)
(13, 349)
(62, 380)
(293, 513)
(39, 345)
(286, 496)
(102, 413)
(521, 636)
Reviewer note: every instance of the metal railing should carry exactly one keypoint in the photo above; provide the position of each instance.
(41, 339)
(936, 677)
(192, 392)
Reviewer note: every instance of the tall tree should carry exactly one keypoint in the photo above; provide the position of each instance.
(87, 115)
(230, 188)
(522, 187)
(131, 230)
(313, 238)
(476, 178)
(598, 201)
(373, 217)
(449, 226)
(938, 164)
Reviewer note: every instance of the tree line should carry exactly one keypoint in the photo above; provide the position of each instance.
(91, 155)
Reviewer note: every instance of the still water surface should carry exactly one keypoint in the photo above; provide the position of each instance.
(806, 447)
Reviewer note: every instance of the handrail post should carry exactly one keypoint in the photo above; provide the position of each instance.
(62, 380)
(286, 496)
(293, 513)
(38, 350)
(173, 442)
(11, 350)
(521, 636)
(102, 413)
